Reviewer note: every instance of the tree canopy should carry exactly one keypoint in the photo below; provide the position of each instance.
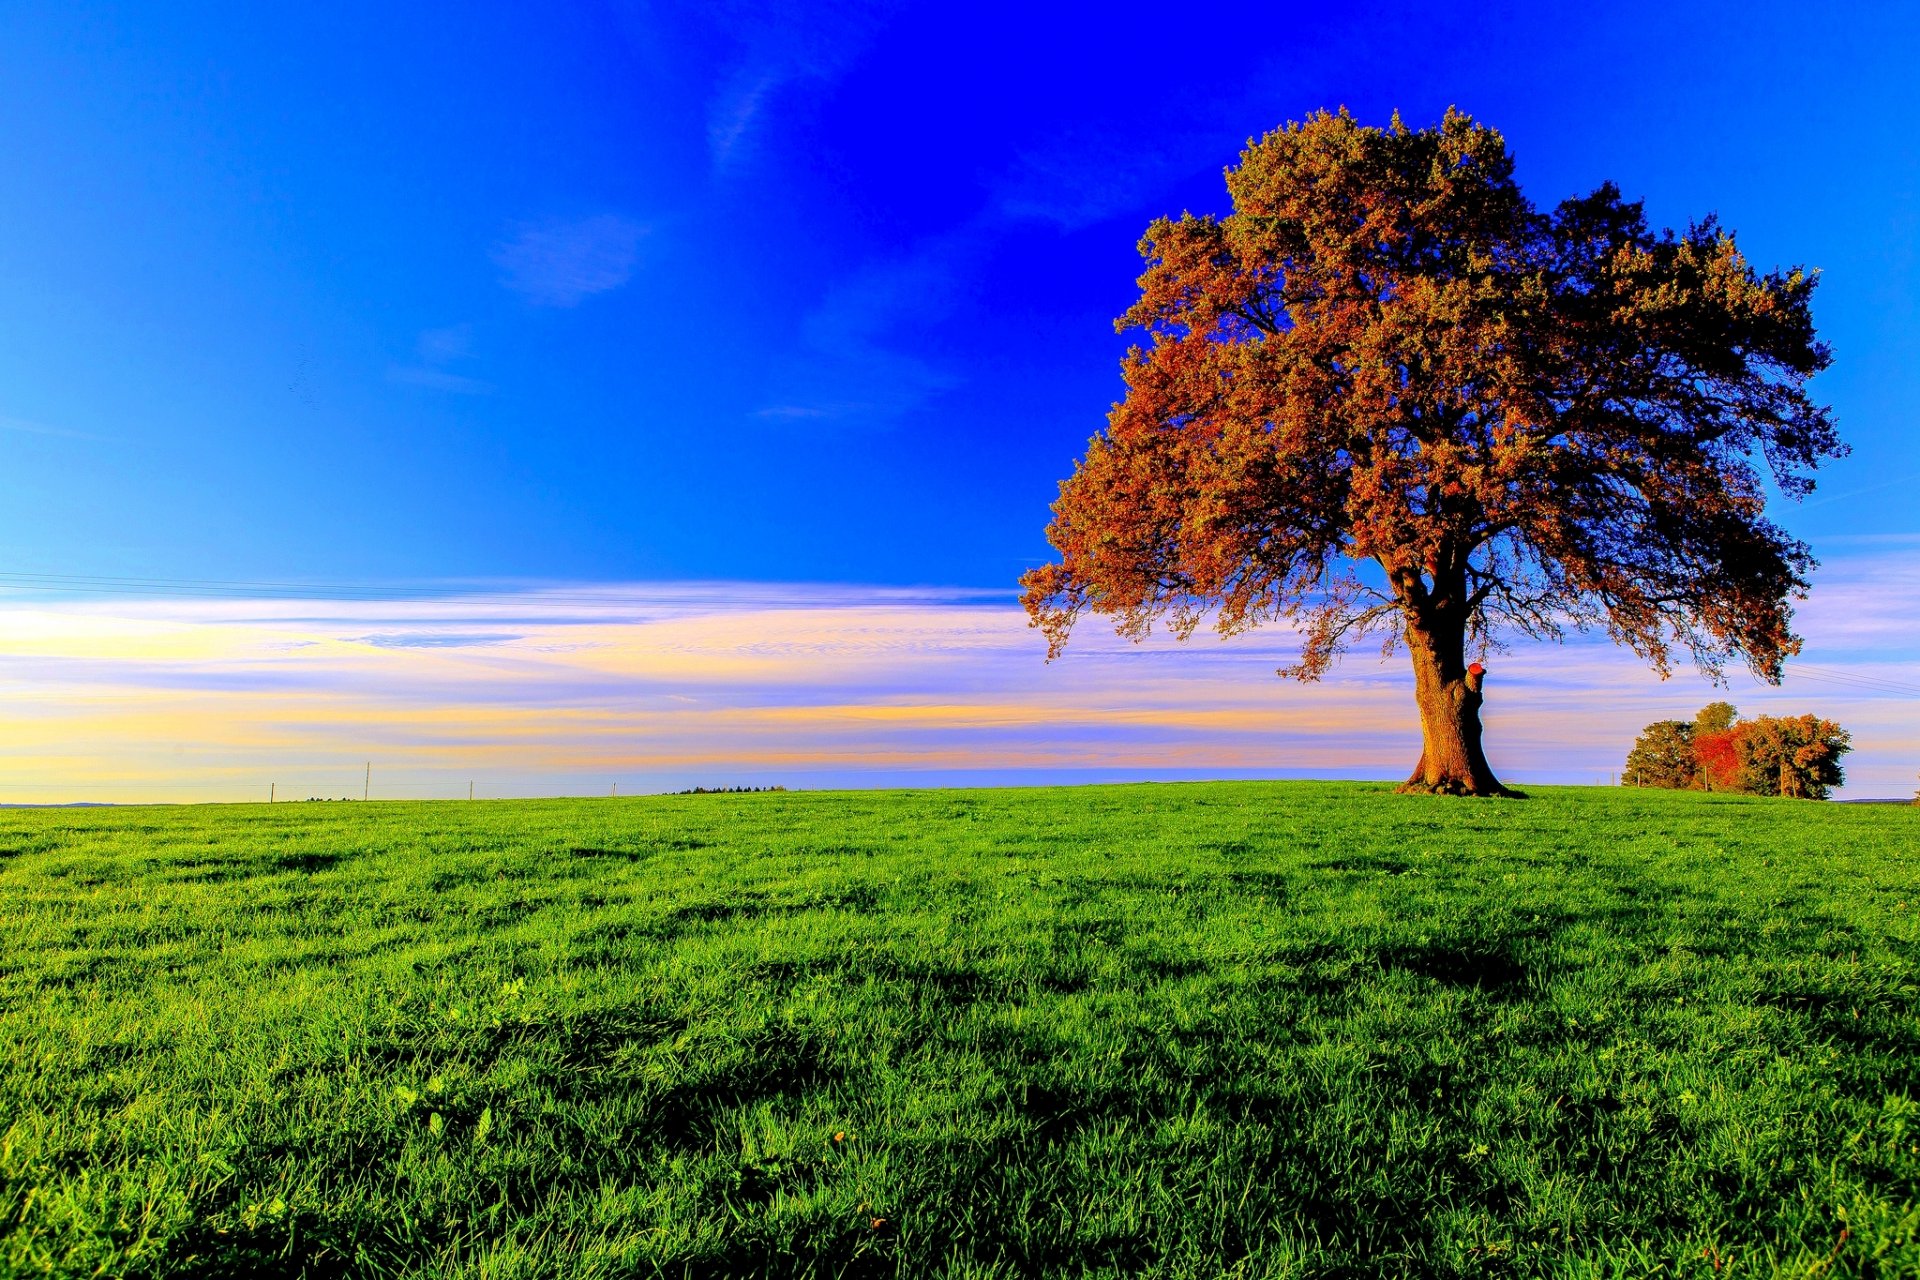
(1386, 392)
(1794, 756)
(1662, 756)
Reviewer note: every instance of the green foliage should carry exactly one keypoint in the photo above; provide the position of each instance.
(1794, 756)
(1662, 757)
(1248, 1030)
(1715, 717)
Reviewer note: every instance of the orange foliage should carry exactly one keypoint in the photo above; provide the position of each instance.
(1718, 758)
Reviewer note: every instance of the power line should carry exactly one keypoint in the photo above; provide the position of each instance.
(1858, 680)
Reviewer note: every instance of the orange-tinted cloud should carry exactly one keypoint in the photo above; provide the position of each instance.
(571, 690)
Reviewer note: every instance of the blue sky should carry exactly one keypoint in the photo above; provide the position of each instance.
(742, 291)
(734, 293)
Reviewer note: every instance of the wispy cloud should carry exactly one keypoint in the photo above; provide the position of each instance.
(1091, 174)
(438, 348)
(437, 380)
(445, 345)
(780, 44)
(562, 263)
(1821, 499)
(23, 425)
(1084, 178)
(736, 107)
(849, 364)
(438, 639)
(567, 688)
(807, 412)
(858, 355)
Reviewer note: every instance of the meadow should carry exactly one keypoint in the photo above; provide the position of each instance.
(1247, 1030)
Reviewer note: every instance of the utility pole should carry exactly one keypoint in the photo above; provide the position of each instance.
(366, 787)
(469, 788)
(616, 790)
(271, 788)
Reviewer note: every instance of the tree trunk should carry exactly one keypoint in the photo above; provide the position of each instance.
(1449, 694)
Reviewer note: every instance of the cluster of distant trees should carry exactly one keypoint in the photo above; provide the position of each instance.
(1797, 756)
(723, 791)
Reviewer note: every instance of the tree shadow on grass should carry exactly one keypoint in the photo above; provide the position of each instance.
(309, 1247)
(600, 1055)
(653, 848)
(307, 862)
(1383, 866)
(1492, 968)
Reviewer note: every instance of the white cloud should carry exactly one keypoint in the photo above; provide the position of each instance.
(562, 263)
(780, 43)
(437, 380)
(1083, 179)
(734, 111)
(803, 412)
(438, 348)
(10, 423)
(443, 346)
(846, 367)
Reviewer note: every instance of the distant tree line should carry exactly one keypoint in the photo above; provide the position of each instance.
(1794, 756)
(723, 791)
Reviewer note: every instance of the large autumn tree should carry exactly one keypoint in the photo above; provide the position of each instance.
(1388, 393)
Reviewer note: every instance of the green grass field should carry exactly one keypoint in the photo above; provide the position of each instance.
(1260, 1029)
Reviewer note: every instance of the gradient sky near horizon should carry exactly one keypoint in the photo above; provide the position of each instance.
(549, 359)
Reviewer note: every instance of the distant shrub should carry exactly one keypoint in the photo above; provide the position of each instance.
(724, 791)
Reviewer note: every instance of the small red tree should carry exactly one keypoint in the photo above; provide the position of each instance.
(1717, 755)
(1716, 747)
(1515, 420)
